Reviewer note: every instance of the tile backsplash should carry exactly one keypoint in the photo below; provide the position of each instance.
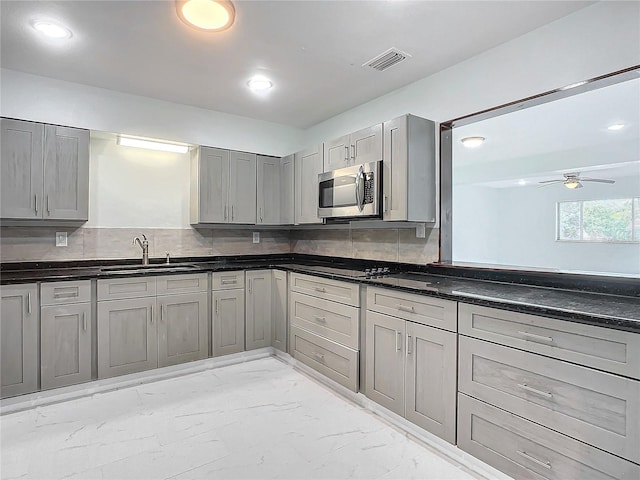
(38, 243)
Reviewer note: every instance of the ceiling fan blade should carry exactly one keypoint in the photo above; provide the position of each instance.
(551, 181)
(599, 180)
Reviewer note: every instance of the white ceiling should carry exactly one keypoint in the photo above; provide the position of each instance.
(312, 50)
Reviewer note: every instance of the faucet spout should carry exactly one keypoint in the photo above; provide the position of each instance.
(144, 245)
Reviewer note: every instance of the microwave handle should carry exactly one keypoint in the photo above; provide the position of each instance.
(360, 186)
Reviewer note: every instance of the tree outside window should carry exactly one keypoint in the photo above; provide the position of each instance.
(611, 220)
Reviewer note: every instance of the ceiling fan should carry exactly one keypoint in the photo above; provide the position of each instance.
(573, 180)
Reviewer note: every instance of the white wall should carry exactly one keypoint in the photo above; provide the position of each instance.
(599, 39)
(47, 100)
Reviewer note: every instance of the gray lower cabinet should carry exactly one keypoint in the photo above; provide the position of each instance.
(19, 339)
(182, 328)
(127, 336)
(411, 370)
(258, 309)
(228, 322)
(279, 310)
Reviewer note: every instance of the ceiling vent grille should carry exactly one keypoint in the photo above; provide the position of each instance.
(387, 59)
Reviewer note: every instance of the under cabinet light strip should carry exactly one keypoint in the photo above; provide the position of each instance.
(152, 145)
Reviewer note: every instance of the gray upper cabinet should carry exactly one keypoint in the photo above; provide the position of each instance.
(223, 186)
(268, 191)
(279, 310)
(409, 170)
(287, 181)
(45, 171)
(363, 146)
(258, 309)
(19, 339)
(308, 165)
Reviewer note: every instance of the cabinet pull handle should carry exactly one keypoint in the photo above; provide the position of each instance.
(534, 460)
(319, 356)
(398, 341)
(84, 321)
(48, 209)
(408, 344)
(229, 282)
(232, 212)
(249, 286)
(526, 387)
(29, 303)
(404, 308)
(161, 312)
(346, 153)
(534, 337)
(261, 214)
(319, 319)
(68, 294)
(217, 302)
(353, 152)
(321, 289)
(36, 203)
(225, 211)
(151, 313)
(385, 203)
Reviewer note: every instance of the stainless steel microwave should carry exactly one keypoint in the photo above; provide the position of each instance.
(350, 192)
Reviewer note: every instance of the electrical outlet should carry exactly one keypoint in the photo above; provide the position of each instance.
(421, 230)
(256, 237)
(61, 239)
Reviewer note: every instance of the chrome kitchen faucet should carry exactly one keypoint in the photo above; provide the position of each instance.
(144, 245)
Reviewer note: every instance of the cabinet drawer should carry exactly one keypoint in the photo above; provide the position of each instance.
(602, 348)
(598, 408)
(181, 284)
(343, 292)
(335, 321)
(227, 280)
(126, 288)
(335, 361)
(59, 293)
(434, 312)
(526, 450)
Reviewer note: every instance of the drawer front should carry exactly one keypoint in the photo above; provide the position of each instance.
(434, 312)
(227, 280)
(171, 284)
(122, 288)
(335, 361)
(342, 292)
(61, 293)
(597, 408)
(335, 321)
(526, 450)
(602, 348)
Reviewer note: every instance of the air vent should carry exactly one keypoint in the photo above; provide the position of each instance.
(387, 59)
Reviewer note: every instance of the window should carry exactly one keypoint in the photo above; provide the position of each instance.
(611, 220)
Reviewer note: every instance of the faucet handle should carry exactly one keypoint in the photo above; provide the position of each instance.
(144, 236)
(168, 257)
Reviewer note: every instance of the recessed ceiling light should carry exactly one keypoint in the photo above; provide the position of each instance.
(616, 126)
(259, 84)
(206, 15)
(52, 30)
(152, 144)
(472, 142)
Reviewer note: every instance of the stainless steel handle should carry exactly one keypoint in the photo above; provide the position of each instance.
(346, 153)
(359, 187)
(319, 356)
(84, 321)
(260, 213)
(225, 211)
(232, 212)
(29, 303)
(526, 387)
(539, 338)
(35, 201)
(385, 203)
(217, 303)
(249, 286)
(398, 341)
(408, 344)
(151, 313)
(162, 312)
(353, 152)
(48, 209)
(71, 294)
(319, 319)
(404, 308)
(321, 289)
(229, 282)
(542, 463)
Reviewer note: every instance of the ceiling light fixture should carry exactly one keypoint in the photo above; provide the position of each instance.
(572, 183)
(260, 84)
(206, 15)
(472, 142)
(616, 126)
(152, 144)
(51, 30)
(573, 85)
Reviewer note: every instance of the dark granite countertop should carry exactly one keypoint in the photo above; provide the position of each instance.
(613, 311)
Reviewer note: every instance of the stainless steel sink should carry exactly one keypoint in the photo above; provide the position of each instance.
(154, 267)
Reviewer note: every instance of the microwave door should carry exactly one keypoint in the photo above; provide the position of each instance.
(338, 192)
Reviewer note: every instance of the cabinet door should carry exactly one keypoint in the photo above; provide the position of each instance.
(279, 311)
(209, 185)
(308, 164)
(127, 336)
(258, 309)
(366, 145)
(395, 169)
(65, 345)
(182, 328)
(242, 187)
(66, 173)
(385, 361)
(19, 339)
(431, 380)
(21, 174)
(228, 322)
(268, 190)
(337, 153)
(286, 190)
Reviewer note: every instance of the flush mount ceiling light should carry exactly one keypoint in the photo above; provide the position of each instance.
(260, 84)
(206, 15)
(51, 30)
(472, 142)
(152, 144)
(616, 126)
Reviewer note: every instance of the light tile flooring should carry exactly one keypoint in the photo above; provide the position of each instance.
(259, 419)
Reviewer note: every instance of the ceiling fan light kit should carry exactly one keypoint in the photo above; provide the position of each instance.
(574, 180)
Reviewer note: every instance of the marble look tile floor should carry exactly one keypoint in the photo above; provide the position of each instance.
(260, 419)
